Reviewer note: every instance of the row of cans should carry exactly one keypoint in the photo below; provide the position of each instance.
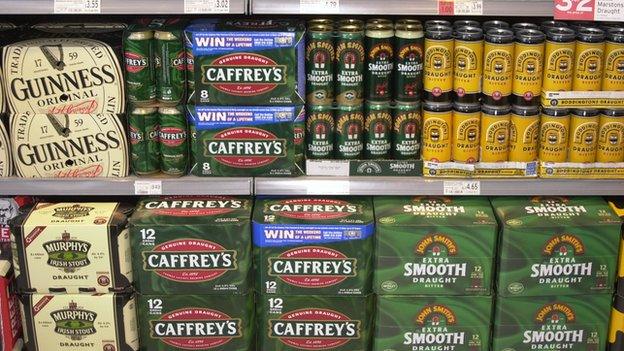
(500, 64)
(158, 140)
(351, 61)
(469, 133)
(375, 130)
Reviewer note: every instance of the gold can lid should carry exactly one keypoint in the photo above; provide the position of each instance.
(351, 22)
(379, 21)
(408, 25)
(379, 27)
(351, 28)
(163, 35)
(143, 35)
(320, 28)
(144, 110)
(321, 21)
(169, 110)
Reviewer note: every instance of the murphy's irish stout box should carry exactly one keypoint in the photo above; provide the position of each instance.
(408, 323)
(556, 246)
(434, 245)
(249, 62)
(313, 245)
(192, 245)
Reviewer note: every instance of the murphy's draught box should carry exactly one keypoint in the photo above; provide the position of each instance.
(407, 323)
(575, 323)
(313, 245)
(72, 247)
(196, 322)
(434, 245)
(55, 322)
(294, 323)
(247, 140)
(556, 246)
(192, 245)
(249, 62)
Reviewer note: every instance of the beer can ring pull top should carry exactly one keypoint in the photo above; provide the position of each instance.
(499, 35)
(561, 34)
(591, 35)
(616, 35)
(469, 33)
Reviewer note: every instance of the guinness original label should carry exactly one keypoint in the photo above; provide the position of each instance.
(2, 96)
(63, 75)
(68, 146)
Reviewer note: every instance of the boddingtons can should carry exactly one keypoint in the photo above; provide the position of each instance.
(524, 133)
(320, 64)
(528, 63)
(377, 130)
(548, 25)
(465, 23)
(583, 135)
(349, 63)
(554, 134)
(436, 131)
(494, 133)
(466, 125)
(438, 62)
(349, 132)
(516, 27)
(613, 78)
(437, 22)
(406, 130)
(588, 65)
(611, 136)
(498, 67)
(408, 70)
(468, 64)
(616, 326)
(320, 132)
(494, 24)
(379, 61)
(558, 59)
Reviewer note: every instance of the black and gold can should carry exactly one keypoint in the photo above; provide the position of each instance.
(437, 22)
(468, 64)
(465, 23)
(498, 67)
(494, 24)
(611, 136)
(524, 133)
(466, 124)
(613, 78)
(545, 26)
(554, 134)
(528, 63)
(495, 133)
(524, 25)
(436, 131)
(438, 70)
(588, 65)
(558, 59)
(583, 141)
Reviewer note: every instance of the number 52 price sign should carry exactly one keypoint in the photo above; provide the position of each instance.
(589, 10)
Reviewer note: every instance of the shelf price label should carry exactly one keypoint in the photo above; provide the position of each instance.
(460, 7)
(147, 187)
(462, 187)
(589, 10)
(206, 6)
(319, 6)
(77, 6)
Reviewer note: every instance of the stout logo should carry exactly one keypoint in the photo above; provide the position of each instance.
(136, 135)
(560, 264)
(135, 62)
(436, 245)
(244, 74)
(434, 252)
(189, 260)
(313, 209)
(197, 206)
(554, 323)
(67, 254)
(73, 322)
(179, 62)
(564, 245)
(436, 315)
(172, 136)
(312, 267)
(314, 329)
(196, 328)
(73, 211)
(245, 147)
(434, 322)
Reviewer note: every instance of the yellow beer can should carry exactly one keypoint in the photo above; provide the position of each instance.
(558, 59)
(588, 64)
(616, 326)
(436, 131)
(554, 133)
(613, 78)
(494, 24)
(583, 135)
(468, 64)
(548, 25)
(524, 133)
(438, 63)
(494, 133)
(465, 23)
(466, 124)
(498, 67)
(611, 136)
(528, 64)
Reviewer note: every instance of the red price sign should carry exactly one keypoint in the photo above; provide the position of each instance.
(446, 8)
(574, 9)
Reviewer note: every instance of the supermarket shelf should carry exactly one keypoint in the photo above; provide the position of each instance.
(423, 186)
(402, 7)
(112, 7)
(125, 186)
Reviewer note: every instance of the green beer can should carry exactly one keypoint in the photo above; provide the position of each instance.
(320, 54)
(139, 63)
(320, 132)
(349, 132)
(377, 130)
(143, 124)
(173, 137)
(349, 63)
(409, 60)
(170, 58)
(406, 131)
(380, 61)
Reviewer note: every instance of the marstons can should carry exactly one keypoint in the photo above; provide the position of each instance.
(438, 64)
(494, 133)
(466, 124)
(320, 132)
(498, 67)
(437, 131)
(558, 59)
(554, 133)
(320, 52)
(468, 67)
(349, 63)
(407, 123)
(173, 137)
(379, 61)
(377, 130)
(139, 63)
(588, 65)
(528, 63)
(611, 136)
(170, 62)
(408, 54)
(613, 78)
(524, 133)
(143, 124)
(349, 132)
(583, 135)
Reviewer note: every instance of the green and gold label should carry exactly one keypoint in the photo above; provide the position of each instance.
(498, 70)
(406, 133)
(378, 131)
(558, 66)
(320, 70)
(528, 61)
(320, 130)
(588, 66)
(349, 135)
(438, 66)
(380, 62)
(350, 55)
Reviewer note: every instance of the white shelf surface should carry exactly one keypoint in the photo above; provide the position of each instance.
(428, 186)
(112, 7)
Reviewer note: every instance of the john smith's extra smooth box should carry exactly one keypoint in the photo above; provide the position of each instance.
(295, 323)
(434, 245)
(247, 141)
(192, 245)
(54, 322)
(196, 322)
(556, 246)
(553, 323)
(249, 62)
(313, 245)
(72, 247)
(424, 323)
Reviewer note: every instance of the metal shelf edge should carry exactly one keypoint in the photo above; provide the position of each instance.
(112, 7)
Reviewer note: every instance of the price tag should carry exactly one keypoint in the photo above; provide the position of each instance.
(575, 9)
(147, 187)
(206, 6)
(77, 6)
(468, 7)
(609, 10)
(319, 6)
(446, 8)
(462, 187)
